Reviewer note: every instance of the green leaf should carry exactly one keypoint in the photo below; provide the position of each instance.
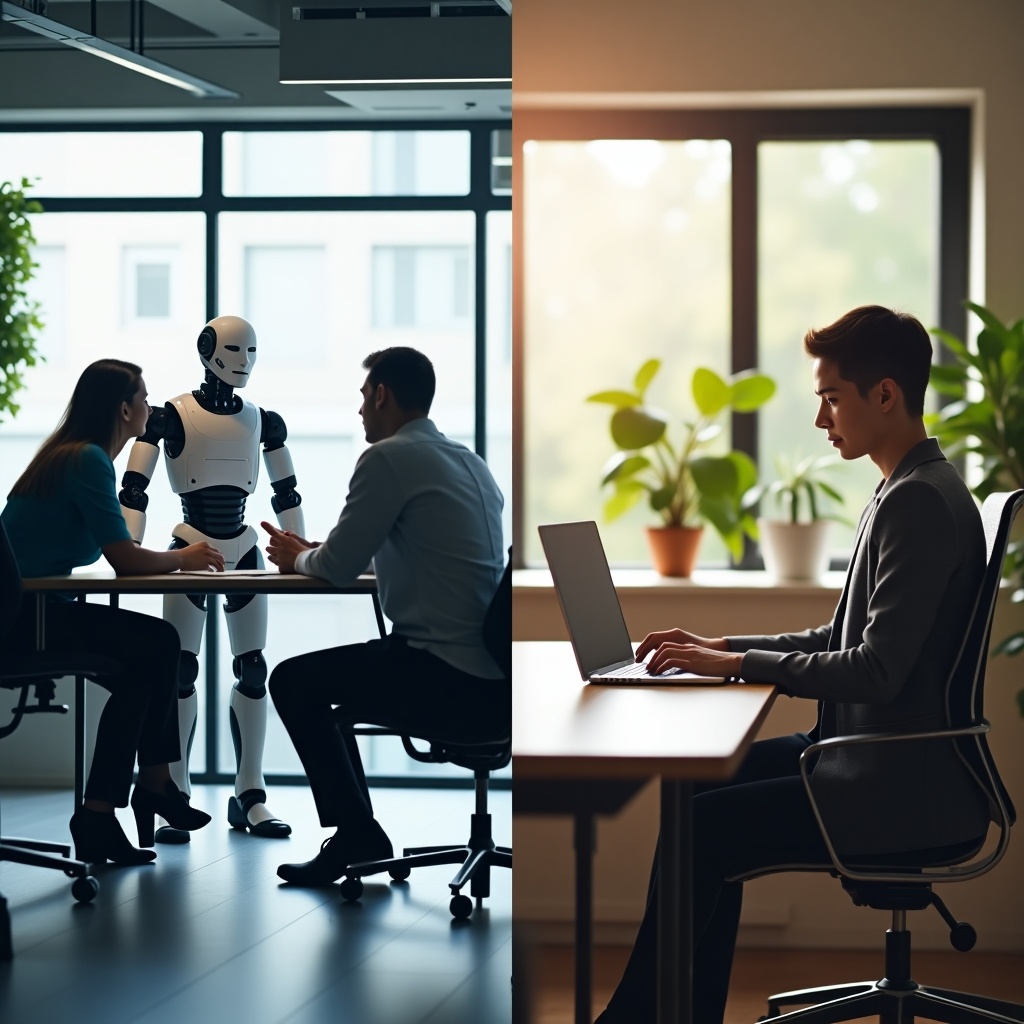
(746, 471)
(645, 375)
(710, 392)
(622, 465)
(716, 477)
(622, 501)
(952, 342)
(662, 498)
(831, 492)
(620, 399)
(1011, 645)
(635, 428)
(750, 390)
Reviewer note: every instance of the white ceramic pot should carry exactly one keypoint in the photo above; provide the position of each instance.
(794, 551)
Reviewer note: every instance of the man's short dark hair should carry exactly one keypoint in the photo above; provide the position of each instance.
(872, 342)
(406, 373)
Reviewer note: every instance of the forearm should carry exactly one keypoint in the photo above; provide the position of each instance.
(127, 558)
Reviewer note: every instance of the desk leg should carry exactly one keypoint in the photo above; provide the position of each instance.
(584, 844)
(675, 904)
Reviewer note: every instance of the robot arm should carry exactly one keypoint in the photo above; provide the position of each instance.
(286, 501)
(141, 463)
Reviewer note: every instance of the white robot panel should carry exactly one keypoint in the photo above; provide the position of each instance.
(219, 450)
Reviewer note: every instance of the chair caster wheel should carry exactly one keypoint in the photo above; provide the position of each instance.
(84, 889)
(400, 874)
(351, 889)
(461, 907)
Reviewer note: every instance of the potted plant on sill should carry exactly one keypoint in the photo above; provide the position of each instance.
(19, 315)
(794, 547)
(683, 487)
(986, 418)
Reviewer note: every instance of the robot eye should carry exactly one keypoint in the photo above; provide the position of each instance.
(232, 348)
(253, 348)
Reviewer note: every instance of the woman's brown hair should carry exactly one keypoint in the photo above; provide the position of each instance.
(90, 418)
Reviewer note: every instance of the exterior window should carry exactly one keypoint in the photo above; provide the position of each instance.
(149, 273)
(421, 286)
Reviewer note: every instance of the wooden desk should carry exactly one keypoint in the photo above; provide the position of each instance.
(564, 731)
(239, 581)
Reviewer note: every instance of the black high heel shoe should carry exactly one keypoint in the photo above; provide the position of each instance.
(171, 805)
(98, 838)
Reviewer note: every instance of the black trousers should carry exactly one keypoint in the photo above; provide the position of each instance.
(760, 818)
(140, 717)
(382, 682)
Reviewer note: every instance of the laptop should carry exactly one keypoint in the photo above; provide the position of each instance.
(592, 611)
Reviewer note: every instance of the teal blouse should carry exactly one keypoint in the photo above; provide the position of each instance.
(52, 536)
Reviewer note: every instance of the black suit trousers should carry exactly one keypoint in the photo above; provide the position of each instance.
(761, 818)
(382, 682)
(140, 715)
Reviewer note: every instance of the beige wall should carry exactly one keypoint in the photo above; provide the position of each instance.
(677, 53)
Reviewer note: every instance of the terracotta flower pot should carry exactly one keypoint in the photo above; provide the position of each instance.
(674, 548)
(794, 551)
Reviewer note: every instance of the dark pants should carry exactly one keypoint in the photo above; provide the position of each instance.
(382, 682)
(140, 715)
(760, 818)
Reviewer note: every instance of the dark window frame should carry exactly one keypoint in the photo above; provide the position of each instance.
(949, 127)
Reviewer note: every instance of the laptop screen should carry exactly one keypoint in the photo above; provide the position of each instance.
(587, 595)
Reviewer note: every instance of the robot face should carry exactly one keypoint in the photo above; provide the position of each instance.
(227, 348)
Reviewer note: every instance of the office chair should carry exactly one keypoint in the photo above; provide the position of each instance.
(479, 854)
(900, 887)
(37, 671)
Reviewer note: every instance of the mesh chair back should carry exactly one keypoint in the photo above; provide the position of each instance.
(965, 694)
(10, 585)
(497, 629)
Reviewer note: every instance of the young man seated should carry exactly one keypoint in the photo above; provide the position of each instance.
(880, 665)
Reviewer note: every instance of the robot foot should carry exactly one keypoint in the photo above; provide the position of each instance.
(243, 809)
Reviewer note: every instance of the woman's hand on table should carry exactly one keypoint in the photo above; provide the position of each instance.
(201, 556)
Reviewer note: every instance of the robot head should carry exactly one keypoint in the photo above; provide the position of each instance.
(227, 348)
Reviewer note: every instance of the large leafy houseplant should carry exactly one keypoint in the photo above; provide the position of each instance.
(19, 315)
(683, 486)
(986, 418)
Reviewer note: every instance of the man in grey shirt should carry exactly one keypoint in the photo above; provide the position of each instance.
(880, 665)
(427, 512)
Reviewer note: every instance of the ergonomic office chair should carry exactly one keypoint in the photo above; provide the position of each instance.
(37, 671)
(898, 887)
(479, 854)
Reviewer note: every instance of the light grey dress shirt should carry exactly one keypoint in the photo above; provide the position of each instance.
(427, 512)
(883, 662)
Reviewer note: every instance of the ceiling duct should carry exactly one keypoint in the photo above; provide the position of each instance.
(395, 42)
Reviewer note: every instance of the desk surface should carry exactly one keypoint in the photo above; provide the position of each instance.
(564, 728)
(231, 582)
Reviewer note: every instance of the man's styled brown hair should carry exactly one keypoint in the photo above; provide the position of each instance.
(406, 373)
(872, 342)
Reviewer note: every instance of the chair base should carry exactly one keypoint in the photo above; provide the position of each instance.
(42, 854)
(476, 858)
(891, 1004)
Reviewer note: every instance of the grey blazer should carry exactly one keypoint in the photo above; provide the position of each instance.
(882, 664)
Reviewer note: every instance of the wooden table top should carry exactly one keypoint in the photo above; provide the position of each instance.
(564, 728)
(238, 581)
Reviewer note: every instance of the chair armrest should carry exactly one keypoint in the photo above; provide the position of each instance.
(949, 873)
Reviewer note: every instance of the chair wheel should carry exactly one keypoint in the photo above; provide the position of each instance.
(351, 889)
(461, 907)
(400, 874)
(84, 889)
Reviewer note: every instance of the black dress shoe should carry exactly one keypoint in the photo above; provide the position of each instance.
(99, 837)
(238, 816)
(172, 805)
(336, 853)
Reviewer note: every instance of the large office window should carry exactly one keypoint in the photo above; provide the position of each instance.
(716, 239)
(333, 243)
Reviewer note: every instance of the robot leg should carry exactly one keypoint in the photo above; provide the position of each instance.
(247, 712)
(187, 613)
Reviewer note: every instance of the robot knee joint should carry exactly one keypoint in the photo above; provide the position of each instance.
(251, 674)
(188, 672)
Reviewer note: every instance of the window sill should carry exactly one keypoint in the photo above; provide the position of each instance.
(719, 581)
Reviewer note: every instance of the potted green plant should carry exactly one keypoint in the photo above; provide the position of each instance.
(684, 487)
(19, 316)
(986, 418)
(794, 546)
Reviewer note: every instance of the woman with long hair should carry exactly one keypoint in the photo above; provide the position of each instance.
(63, 512)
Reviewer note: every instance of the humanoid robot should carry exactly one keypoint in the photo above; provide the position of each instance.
(211, 439)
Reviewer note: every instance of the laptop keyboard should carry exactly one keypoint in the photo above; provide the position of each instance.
(634, 671)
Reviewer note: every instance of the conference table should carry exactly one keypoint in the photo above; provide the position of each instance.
(585, 749)
(234, 581)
